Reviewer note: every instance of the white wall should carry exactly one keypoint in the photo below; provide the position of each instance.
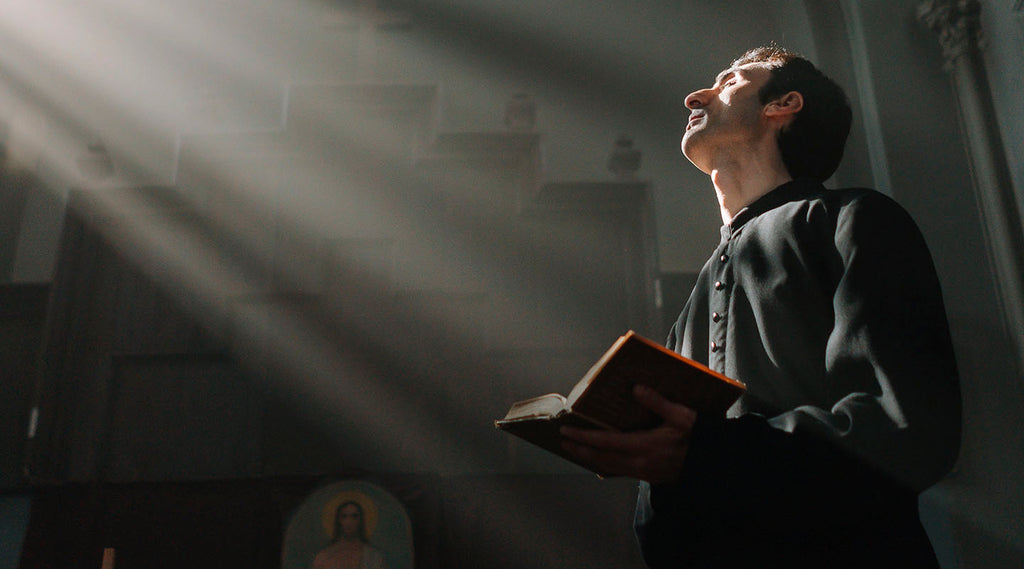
(1003, 23)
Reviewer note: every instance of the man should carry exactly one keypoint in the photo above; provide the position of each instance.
(826, 304)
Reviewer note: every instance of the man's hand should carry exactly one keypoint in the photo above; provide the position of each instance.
(655, 456)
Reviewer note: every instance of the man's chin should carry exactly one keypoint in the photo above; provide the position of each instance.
(689, 137)
(687, 146)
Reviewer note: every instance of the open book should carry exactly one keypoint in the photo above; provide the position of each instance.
(603, 399)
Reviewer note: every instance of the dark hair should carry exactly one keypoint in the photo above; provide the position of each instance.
(812, 144)
(337, 521)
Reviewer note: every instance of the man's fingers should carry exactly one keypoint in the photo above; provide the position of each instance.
(674, 414)
(605, 462)
(655, 459)
(633, 443)
(655, 455)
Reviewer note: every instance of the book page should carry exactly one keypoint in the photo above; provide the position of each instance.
(548, 405)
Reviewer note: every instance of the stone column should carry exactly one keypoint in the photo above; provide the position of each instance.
(958, 26)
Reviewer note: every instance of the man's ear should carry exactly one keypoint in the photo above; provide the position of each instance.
(784, 107)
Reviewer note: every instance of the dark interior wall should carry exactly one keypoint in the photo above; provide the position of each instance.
(15, 187)
(22, 313)
(461, 522)
(140, 396)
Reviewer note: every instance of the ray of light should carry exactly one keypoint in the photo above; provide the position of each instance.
(373, 374)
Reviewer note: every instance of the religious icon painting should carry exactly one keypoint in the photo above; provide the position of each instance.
(350, 524)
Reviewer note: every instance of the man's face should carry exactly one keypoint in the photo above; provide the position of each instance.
(726, 114)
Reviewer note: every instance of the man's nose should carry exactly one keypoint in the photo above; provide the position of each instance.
(697, 99)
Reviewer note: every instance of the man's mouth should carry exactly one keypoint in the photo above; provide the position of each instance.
(693, 119)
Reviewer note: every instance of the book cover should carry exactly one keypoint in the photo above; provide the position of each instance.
(603, 398)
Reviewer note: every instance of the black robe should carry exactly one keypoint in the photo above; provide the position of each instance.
(827, 305)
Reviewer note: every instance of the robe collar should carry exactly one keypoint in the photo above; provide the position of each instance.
(790, 191)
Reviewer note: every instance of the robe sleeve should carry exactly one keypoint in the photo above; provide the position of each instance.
(890, 368)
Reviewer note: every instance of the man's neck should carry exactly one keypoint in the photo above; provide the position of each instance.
(738, 185)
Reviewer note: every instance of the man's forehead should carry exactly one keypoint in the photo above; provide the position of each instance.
(745, 69)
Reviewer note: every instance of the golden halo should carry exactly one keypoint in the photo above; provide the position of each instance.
(364, 501)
